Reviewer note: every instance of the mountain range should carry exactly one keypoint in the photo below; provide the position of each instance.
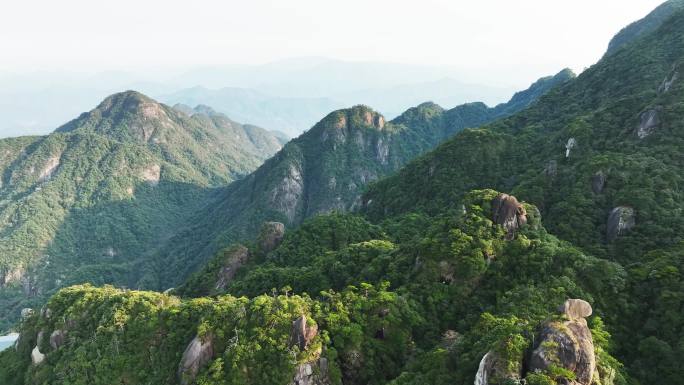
(286, 95)
(154, 183)
(538, 242)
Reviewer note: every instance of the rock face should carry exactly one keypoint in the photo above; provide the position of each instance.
(49, 169)
(151, 174)
(620, 220)
(37, 357)
(649, 120)
(598, 182)
(572, 143)
(235, 258)
(197, 355)
(668, 81)
(302, 334)
(567, 344)
(312, 373)
(286, 196)
(494, 370)
(271, 236)
(26, 313)
(509, 213)
(58, 338)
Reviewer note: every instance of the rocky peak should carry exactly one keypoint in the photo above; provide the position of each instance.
(567, 344)
(340, 124)
(509, 213)
(125, 115)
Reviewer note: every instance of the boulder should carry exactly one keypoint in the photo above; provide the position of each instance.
(26, 313)
(197, 355)
(576, 309)
(509, 213)
(567, 344)
(620, 220)
(649, 120)
(598, 182)
(234, 258)
(37, 357)
(302, 334)
(271, 236)
(57, 338)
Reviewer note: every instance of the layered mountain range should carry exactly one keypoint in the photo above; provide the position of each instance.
(535, 242)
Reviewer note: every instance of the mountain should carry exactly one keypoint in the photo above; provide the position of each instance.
(601, 157)
(644, 26)
(288, 95)
(289, 114)
(317, 309)
(448, 92)
(85, 202)
(439, 279)
(325, 169)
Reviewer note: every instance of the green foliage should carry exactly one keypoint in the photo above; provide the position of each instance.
(526, 155)
(84, 204)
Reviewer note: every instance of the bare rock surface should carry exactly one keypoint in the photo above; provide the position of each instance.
(236, 258)
(58, 338)
(576, 309)
(302, 334)
(509, 213)
(620, 220)
(197, 355)
(649, 121)
(567, 344)
(271, 236)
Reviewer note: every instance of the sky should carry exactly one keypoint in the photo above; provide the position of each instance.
(505, 42)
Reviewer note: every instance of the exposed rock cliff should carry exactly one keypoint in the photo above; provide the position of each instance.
(198, 354)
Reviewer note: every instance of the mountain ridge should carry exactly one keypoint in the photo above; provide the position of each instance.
(325, 169)
(85, 201)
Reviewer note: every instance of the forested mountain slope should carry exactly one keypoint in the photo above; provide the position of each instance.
(461, 287)
(84, 203)
(648, 24)
(325, 169)
(602, 159)
(439, 279)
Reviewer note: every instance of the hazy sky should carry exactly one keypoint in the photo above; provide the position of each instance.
(512, 41)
